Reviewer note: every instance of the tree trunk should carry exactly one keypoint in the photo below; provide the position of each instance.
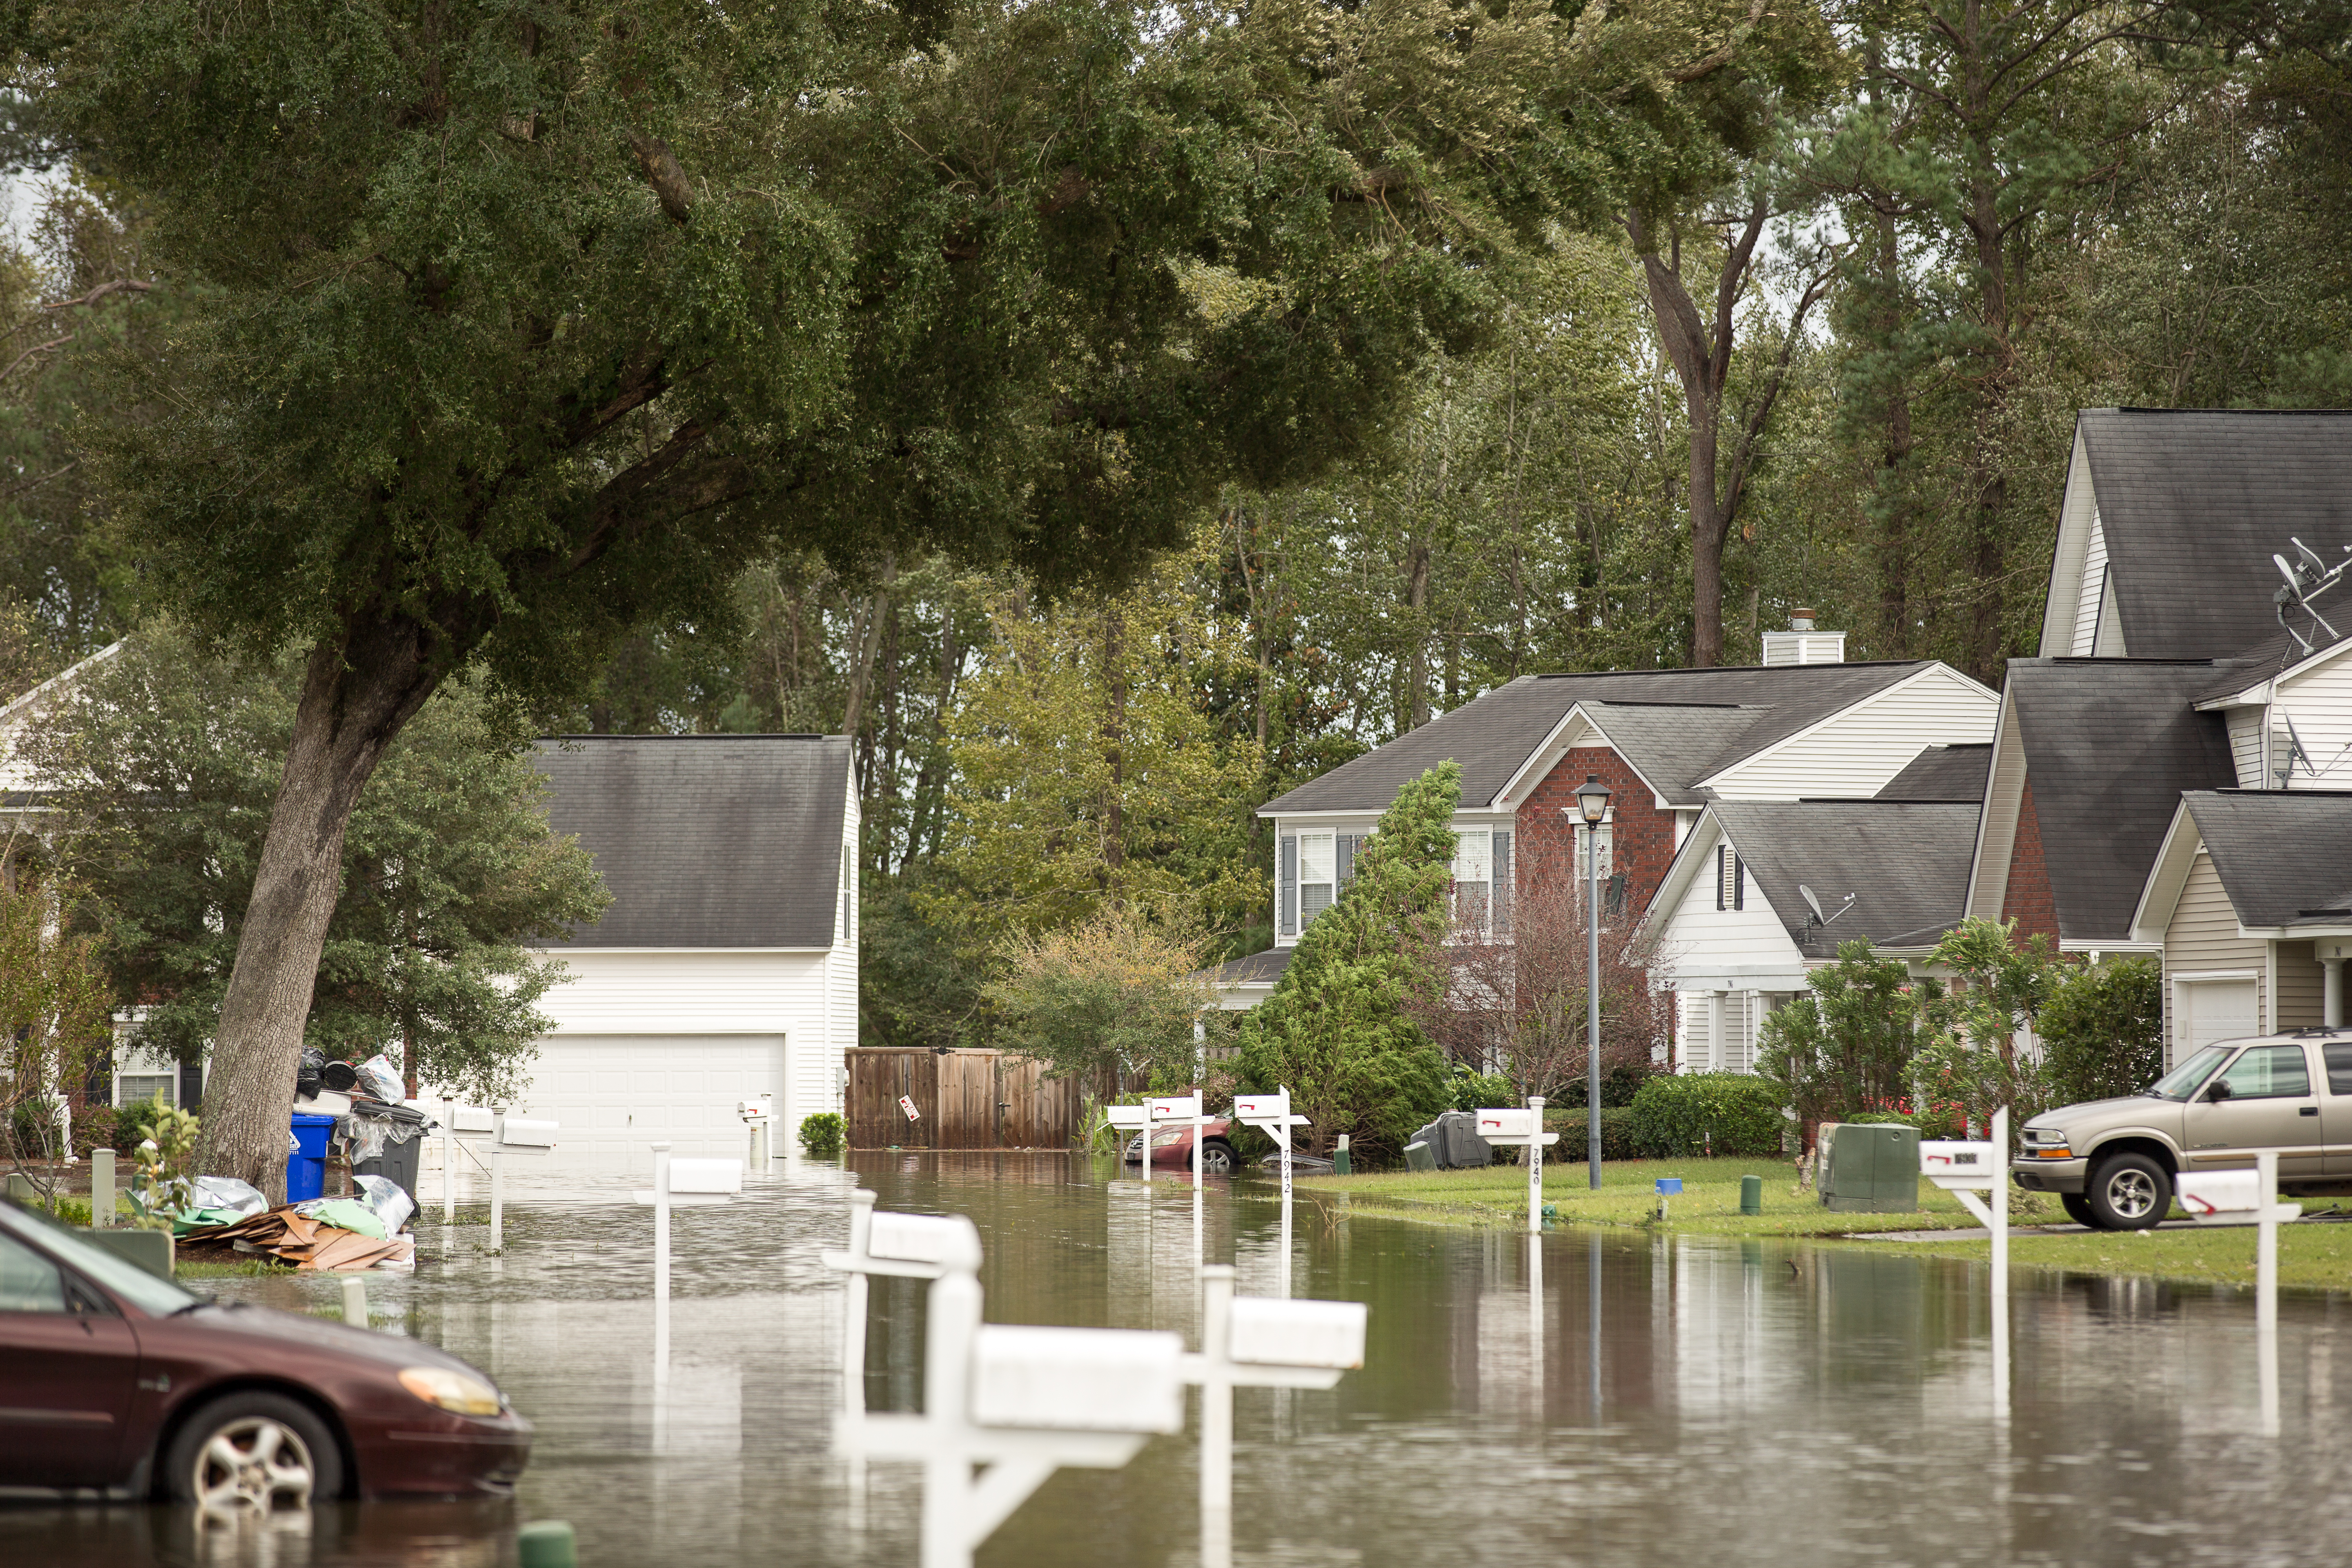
(1416, 598)
(1895, 454)
(356, 695)
(1114, 733)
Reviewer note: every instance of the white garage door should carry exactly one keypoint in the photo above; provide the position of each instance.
(618, 1095)
(2214, 1010)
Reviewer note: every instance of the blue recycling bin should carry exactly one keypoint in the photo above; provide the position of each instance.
(306, 1168)
(1670, 1186)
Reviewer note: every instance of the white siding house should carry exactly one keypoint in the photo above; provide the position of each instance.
(726, 966)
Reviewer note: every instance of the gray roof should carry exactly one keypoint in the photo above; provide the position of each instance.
(1677, 726)
(2267, 658)
(1906, 864)
(2193, 503)
(1942, 772)
(1258, 969)
(706, 841)
(2109, 745)
(2283, 856)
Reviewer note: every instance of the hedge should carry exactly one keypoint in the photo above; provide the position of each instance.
(1731, 1113)
(1617, 1138)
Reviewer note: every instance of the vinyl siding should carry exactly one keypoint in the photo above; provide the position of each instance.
(2246, 746)
(1701, 940)
(2203, 935)
(1853, 755)
(2299, 976)
(2004, 793)
(2320, 703)
(2093, 592)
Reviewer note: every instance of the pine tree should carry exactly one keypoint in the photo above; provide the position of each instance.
(1336, 1030)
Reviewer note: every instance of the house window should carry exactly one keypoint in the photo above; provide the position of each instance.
(1730, 878)
(1474, 879)
(1319, 876)
(137, 1087)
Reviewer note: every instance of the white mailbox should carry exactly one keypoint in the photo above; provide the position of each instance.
(1077, 1380)
(1255, 1108)
(474, 1119)
(1175, 1107)
(705, 1176)
(522, 1132)
(1953, 1164)
(758, 1109)
(2229, 1197)
(1270, 1332)
(1506, 1124)
(1130, 1117)
(928, 1238)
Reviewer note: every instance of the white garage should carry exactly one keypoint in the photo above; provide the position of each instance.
(617, 1093)
(726, 967)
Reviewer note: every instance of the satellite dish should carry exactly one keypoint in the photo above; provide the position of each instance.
(2295, 752)
(1813, 904)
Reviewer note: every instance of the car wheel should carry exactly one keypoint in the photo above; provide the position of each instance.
(1217, 1158)
(2078, 1209)
(2128, 1192)
(254, 1454)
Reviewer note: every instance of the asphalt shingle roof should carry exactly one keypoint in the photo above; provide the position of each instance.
(1258, 969)
(2195, 501)
(1942, 772)
(2109, 745)
(2283, 856)
(1905, 862)
(706, 841)
(1677, 726)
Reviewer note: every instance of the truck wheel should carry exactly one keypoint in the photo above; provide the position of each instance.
(2128, 1192)
(254, 1454)
(2078, 1209)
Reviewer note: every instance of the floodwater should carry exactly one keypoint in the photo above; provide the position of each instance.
(1616, 1400)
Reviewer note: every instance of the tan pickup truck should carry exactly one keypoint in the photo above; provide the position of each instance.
(2112, 1162)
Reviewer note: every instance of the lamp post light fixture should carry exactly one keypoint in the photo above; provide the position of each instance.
(1592, 805)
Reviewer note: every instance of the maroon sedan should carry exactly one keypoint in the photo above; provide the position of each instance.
(115, 1382)
(1172, 1146)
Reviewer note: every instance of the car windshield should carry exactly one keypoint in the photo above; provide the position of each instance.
(2183, 1080)
(144, 1290)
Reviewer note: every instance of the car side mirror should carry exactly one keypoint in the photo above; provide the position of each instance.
(2219, 1092)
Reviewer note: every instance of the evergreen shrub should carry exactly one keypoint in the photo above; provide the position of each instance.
(821, 1135)
(1694, 1113)
(1617, 1136)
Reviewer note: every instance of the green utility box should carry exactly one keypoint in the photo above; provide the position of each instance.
(1869, 1167)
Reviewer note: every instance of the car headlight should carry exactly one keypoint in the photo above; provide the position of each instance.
(451, 1390)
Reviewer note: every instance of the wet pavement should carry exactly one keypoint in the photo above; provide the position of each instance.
(1613, 1399)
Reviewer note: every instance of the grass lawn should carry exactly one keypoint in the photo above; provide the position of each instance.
(1710, 1200)
(2314, 1256)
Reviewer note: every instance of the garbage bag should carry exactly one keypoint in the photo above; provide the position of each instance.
(346, 1213)
(239, 1198)
(380, 1078)
(387, 1201)
(307, 1070)
(363, 1135)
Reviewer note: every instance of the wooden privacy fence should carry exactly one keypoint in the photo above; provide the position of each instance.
(969, 1100)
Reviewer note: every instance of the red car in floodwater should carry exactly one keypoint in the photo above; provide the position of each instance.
(1172, 1146)
(116, 1383)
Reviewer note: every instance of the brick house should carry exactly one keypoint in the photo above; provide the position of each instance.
(1667, 744)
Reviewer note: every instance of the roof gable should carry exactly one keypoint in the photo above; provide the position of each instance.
(2193, 503)
(1942, 773)
(2285, 856)
(1675, 727)
(1905, 864)
(706, 841)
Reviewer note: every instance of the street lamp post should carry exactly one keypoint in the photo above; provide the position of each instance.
(1592, 805)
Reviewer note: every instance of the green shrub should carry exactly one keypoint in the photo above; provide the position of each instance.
(135, 1123)
(1617, 1139)
(821, 1135)
(2102, 1029)
(1482, 1091)
(94, 1128)
(1698, 1113)
(1878, 1118)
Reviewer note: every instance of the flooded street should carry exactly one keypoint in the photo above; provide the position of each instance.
(1613, 1399)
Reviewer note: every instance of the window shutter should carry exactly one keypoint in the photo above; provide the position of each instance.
(1739, 882)
(1287, 917)
(1722, 882)
(1730, 880)
(1345, 849)
(1500, 904)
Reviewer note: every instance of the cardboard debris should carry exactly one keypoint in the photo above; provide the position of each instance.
(307, 1241)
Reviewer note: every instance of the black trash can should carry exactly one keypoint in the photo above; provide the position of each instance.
(399, 1133)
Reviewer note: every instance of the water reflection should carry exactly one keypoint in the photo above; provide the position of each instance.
(1607, 1397)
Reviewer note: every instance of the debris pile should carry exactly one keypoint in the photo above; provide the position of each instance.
(308, 1240)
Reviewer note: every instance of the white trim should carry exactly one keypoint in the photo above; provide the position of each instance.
(2296, 933)
(1542, 753)
(65, 677)
(2160, 895)
(1683, 870)
(2076, 514)
(2092, 944)
(1933, 668)
(2006, 730)
(2195, 976)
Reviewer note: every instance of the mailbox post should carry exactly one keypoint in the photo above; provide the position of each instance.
(1256, 1341)
(509, 1136)
(1964, 1169)
(759, 1118)
(1018, 1401)
(2250, 1198)
(1271, 1114)
(1523, 1128)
